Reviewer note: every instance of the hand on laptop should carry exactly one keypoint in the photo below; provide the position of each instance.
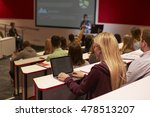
(62, 76)
(78, 74)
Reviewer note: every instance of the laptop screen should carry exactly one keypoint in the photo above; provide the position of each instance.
(61, 64)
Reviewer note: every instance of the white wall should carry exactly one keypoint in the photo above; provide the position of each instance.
(38, 37)
(122, 29)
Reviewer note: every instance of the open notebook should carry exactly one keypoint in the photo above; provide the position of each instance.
(61, 64)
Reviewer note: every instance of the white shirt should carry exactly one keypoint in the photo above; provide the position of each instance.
(139, 68)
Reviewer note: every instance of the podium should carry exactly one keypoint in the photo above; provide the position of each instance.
(7, 46)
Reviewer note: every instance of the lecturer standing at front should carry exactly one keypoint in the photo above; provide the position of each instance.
(86, 24)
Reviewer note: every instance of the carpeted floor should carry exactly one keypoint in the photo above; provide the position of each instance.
(6, 86)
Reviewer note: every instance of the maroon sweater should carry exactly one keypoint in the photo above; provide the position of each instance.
(96, 83)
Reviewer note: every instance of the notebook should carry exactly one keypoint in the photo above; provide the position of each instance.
(61, 64)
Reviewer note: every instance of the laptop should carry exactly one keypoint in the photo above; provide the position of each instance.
(61, 64)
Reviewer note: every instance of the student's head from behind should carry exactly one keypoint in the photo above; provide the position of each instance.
(105, 45)
(63, 43)
(48, 47)
(75, 52)
(88, 42)
(118, 37)
(127, 40)
(145, 40)
(107, 50)
(136, 33)
(12, 24)
(26, 44)
(71, 38)
(127, 44)
(55, 41)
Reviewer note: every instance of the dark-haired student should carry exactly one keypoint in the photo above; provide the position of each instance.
(140, 68)
(64, 45)
(76, 54)
(71, 38)
(57, 50)
(136, 35)
(105, 76)
(88, 43)
(77, 39)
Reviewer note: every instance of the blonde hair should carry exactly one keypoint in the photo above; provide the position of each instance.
(127, 44)
(111, 56)
(48, 47)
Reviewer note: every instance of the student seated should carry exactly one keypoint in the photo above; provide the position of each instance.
(118, 37)
(136, 35)
(105, 76)
(48, 47)
(64, 45)
(57, 50)
(88, 43)
(140, 68)
(75, 52)
(127, 44)
(27, 52)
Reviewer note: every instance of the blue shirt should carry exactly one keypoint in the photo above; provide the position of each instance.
(87, 26)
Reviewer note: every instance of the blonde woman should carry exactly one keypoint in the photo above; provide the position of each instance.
(105, 76)
(127, 44)
(48, 47)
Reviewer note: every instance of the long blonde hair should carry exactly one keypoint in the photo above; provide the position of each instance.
(111, 56)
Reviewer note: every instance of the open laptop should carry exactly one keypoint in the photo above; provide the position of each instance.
(61, 64)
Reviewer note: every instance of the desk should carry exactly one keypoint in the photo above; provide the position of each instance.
(40, 53)
(28, 73)
(47, 87)
(33, 70)
(17, 69)
(132, 55)
(85, 55)
(7, 46)
(129, 57)
(138, 90)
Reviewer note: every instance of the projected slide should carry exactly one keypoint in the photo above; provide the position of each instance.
(63, 13)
